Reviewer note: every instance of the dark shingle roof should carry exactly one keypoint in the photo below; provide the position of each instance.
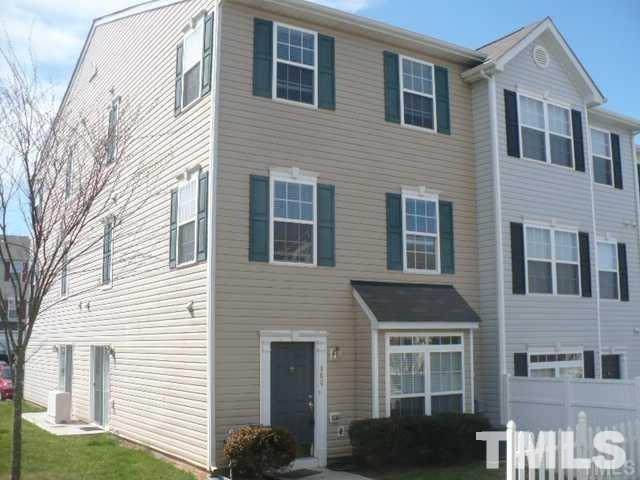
(414, 302)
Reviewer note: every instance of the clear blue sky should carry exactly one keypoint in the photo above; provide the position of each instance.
(604, 34)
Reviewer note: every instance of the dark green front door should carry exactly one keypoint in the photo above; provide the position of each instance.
(292, 386)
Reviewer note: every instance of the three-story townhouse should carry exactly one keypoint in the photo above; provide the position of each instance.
(558, 230)
(334, 209)
(16, 250)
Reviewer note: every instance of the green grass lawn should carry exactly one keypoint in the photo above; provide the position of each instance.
(47, 457)
(467, 472)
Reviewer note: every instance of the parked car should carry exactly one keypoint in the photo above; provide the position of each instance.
(6, 383)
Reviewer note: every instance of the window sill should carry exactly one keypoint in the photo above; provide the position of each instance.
(571, 169)
(190, 106)
(606, 187)
(108, 286)
(419, 129)
(284, 101)
(421, 272)
(293, 264)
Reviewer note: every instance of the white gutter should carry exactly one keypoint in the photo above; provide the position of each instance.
(375, 375)
(596, 293)
(497, 191)
(211, 240)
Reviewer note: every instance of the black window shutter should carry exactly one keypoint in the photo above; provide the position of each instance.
(262, 57)
(203, 209)
(391, 87)
(259, 219)
(207, 54)
(173, 231)
(589, 364)
(521, 364)
(578, 140)
(178, 99)
(326, 225)
(442, 99)
(517, 259)
(447, 247)
(617, 161)
(326, 72)
(623, 272)
(511, 120)
(394, 231)
(585, 263)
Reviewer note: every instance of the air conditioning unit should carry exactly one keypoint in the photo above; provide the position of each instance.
(59, 407)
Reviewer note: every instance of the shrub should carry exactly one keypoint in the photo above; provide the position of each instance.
(254, 450)
(416, 441)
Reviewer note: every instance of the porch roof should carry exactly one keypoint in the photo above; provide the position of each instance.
(415, 302)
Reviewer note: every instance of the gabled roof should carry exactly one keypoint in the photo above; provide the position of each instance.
(503, 50)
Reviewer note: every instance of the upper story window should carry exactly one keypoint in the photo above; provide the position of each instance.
(552, 261)
(546, 132)
(107, 253)
(64, 276)
(608, 270)
(68, 182)
(112, 136)
(602, 157)
(417, 99)
(293, 219)
(295, 64)
(194, 57)
(188, 221)
(421, 242)
(12, 312)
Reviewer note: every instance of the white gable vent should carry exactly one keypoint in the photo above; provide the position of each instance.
(541, 56)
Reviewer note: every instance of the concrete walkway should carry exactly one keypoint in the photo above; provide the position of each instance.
(326, 474)
(39, 419)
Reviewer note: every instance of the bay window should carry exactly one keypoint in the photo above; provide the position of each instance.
(425, 375)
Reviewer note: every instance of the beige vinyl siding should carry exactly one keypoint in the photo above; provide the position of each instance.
(365, 157)
(158, 394)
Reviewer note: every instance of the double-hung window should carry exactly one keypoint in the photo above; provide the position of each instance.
(556, 365)
(68, 182)
(187, 216)
(421, 240)
(425, 375)
(107, 253)
(552, 261)
(12, 312)
(192, 64)
(608, 270)
(546, 132)
(295, 65)
(602, 157)
(417, 99)
(293, 220)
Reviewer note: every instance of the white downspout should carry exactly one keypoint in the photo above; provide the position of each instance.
(596, 293)
(497, 192)
(636, 175)
(375, 378)
(211, 240)
(472, 373)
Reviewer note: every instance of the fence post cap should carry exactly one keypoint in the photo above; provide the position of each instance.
(582, 417)
(511, 425)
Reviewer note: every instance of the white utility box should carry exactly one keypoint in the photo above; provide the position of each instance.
(59, 407)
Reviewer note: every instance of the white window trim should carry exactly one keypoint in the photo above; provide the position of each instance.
(293, 175)
(609, 158)
(554, 262)
(191, 176)
(557, 364)
(111, 221)
(426, 350)
(547, 130)
(115, 105)
(274, 67)
(432, 96)
(192, 30)
(423, 195)
(616, 271)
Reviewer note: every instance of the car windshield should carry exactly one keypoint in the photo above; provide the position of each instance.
(5, 374)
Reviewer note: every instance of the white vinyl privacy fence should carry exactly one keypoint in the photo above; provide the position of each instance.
(574, 453)
(542, 404)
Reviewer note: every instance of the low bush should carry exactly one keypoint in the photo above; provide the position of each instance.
(254, 450)
(418, 441)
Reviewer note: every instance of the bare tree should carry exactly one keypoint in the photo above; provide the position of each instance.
(64, 172)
